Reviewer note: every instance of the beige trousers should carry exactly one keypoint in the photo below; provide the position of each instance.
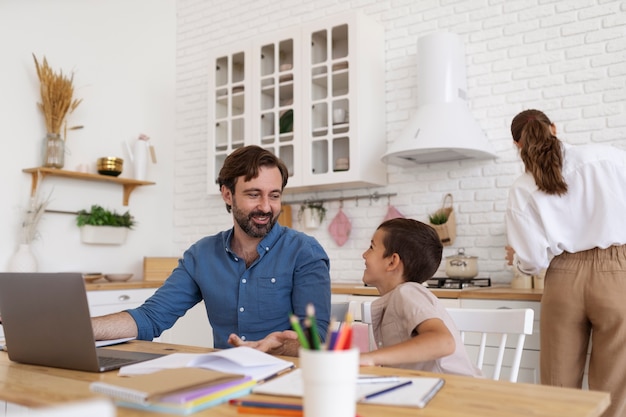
(585, 298)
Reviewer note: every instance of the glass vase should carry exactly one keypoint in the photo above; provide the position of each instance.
(53, 151)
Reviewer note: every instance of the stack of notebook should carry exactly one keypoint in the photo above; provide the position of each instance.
(185, 383)
(177, 390)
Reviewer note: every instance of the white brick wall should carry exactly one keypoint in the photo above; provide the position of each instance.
(567, 58)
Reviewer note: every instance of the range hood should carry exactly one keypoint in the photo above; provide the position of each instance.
(442, 128)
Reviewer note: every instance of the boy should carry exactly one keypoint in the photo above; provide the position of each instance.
(411, 327)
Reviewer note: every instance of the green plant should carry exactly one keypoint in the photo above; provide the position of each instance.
(99, 216)
(316, 207)
(439, 217)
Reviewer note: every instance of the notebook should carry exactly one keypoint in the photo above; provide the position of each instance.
(46, 322)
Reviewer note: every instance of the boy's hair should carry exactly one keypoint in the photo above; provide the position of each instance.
(416, 243)
(245, 162)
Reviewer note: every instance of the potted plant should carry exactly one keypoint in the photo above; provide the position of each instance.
(312, 214)
(444, 221)
(104, 227)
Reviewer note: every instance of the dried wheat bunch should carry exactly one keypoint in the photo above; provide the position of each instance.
(56, 96)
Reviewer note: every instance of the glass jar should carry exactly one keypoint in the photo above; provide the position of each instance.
(53, 151)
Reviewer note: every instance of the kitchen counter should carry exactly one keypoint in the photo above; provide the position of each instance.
(484, 293)
(104, 285)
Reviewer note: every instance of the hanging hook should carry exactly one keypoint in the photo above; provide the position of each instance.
(356, 198)
(340, 203)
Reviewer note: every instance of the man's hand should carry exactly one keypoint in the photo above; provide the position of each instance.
(277, 343)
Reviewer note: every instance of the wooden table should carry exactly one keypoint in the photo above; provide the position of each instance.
(35, 386)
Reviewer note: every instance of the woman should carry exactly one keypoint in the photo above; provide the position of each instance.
(567, 213)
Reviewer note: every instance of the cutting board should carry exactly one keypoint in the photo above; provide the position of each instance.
(285, 218)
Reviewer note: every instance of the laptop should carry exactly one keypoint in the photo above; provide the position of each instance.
(46, 322)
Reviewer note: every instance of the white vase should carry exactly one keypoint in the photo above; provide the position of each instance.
(23, 260)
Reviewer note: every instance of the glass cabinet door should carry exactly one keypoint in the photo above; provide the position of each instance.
(330, 107)
(228, 107)
(277, 76)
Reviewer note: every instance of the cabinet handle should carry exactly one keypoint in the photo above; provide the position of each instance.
(123, 297)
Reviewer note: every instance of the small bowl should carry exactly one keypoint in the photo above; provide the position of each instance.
(118, 277)
(110, 165)
(92, 276)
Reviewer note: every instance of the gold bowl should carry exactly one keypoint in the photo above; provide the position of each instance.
(110, 165)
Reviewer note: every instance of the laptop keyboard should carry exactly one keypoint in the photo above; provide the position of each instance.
(108, 361)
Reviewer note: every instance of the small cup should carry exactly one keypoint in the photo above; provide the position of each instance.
(330, 382)
(339, 116)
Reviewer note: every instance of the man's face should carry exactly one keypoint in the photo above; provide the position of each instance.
(256, 204)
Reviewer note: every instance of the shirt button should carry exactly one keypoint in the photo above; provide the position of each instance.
(267, 249)
(241, 309)
(243, 337)
(273, 280)
(244, 281)
(236, 259)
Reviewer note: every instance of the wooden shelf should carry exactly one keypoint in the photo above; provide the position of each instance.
(128, 184)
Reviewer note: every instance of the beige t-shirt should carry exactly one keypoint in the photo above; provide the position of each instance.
(395, 316)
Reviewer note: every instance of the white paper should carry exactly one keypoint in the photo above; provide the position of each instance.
(421, 390)
(238, 360)
(100, 343)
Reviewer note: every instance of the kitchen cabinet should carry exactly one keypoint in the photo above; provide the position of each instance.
(191, 329)
(128, 184)
(311, 94)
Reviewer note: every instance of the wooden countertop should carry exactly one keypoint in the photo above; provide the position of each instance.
(486, 293)
(461, 396)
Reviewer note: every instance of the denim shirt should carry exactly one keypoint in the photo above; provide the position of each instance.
(291, 271)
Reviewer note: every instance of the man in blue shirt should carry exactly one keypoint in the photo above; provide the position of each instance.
(250, 277)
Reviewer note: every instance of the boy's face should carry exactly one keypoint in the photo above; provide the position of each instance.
(375, 262)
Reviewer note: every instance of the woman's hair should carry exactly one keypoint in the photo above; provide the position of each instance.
(245, 162)
(540, 150)
(416, 243)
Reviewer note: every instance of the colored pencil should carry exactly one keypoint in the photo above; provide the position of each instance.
(315, 336)
(295, 325)
(344, 339)
(265, 404)
(270, 411)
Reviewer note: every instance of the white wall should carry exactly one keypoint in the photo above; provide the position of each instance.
(123, 56)
(567, 58)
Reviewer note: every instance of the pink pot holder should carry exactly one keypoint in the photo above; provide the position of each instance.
(393, 213)
(340, 228)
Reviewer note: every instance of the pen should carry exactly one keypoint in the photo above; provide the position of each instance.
(265, 404)
(386, 390)
(295, 325)
(377, 379)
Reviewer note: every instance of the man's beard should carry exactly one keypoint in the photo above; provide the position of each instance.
(248, 225)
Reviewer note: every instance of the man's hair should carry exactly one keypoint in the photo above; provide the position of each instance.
(416, 243)
(246, 162)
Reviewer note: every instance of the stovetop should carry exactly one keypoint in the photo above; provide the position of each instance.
(458, 283)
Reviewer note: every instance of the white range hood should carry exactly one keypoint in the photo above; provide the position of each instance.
(442, 128)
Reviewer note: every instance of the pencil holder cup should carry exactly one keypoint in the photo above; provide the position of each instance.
(329, 378)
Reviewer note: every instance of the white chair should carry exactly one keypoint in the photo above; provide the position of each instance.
(484, 322)
(499, 322)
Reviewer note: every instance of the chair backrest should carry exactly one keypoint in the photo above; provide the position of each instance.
(476, 325)
(498, 322)
(338, 310)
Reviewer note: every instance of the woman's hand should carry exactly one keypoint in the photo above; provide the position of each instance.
(510, 253)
